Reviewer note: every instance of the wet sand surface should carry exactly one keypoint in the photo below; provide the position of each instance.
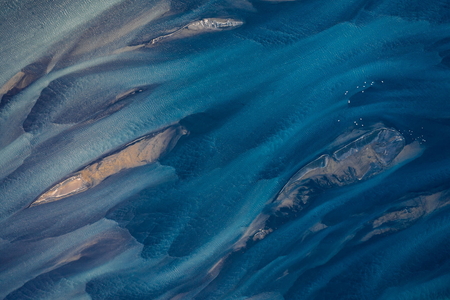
(141, 152)
(316, 165)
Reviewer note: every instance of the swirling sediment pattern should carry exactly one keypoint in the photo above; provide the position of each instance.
(225, 149)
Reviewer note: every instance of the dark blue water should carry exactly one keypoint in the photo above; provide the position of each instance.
(317, 164)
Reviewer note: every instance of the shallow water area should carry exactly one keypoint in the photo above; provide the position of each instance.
(224, 149)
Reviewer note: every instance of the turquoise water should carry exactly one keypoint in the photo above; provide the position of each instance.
(262, 102)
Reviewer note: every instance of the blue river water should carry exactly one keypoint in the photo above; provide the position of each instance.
(297, 149)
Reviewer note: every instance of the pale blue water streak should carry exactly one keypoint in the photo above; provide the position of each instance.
(299, 79)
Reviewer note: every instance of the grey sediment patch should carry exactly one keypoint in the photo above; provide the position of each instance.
(198, 27)
(358, 160)
(189, 30)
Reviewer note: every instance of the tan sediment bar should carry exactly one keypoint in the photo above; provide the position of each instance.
(138, 153)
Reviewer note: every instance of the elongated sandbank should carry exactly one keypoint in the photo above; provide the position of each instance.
(198, 27)
(140, 152)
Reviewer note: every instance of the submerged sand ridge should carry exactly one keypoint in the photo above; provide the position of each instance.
(140, 152)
